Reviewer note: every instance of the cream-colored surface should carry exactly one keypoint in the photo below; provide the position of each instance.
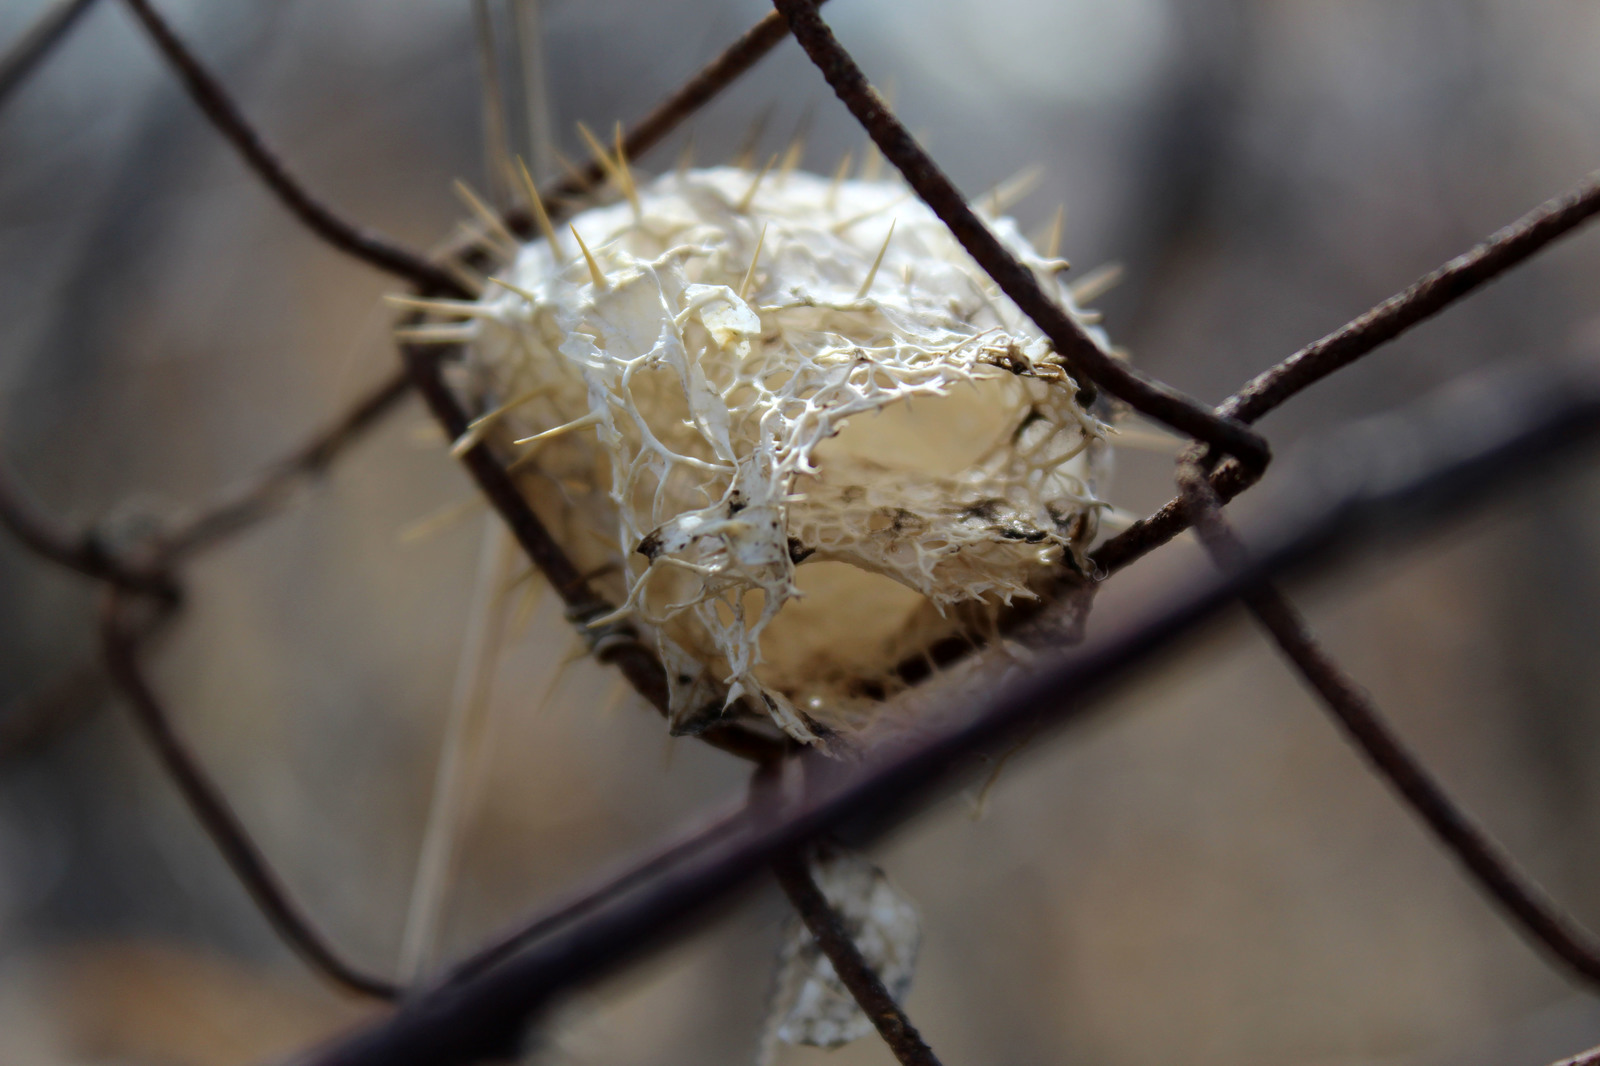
(737, 375)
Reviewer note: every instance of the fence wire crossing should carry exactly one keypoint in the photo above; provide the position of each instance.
(479, 1009)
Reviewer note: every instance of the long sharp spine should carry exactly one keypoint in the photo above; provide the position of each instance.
(541, 217)
(749, 275)
(750, 194)
(872, 274)
(594, 268)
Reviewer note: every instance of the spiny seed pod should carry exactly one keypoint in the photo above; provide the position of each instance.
(743, 401)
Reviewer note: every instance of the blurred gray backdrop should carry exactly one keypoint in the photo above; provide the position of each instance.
(1206, 875)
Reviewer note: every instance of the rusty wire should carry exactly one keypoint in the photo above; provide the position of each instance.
(149, 570)
(1351, 494)
(1558, 217)
(1087, 360)
(48, 29)
(679, 105)
(503, 985)
(358, 242)
(888, 1017)
(1523, 901)
(119, 639)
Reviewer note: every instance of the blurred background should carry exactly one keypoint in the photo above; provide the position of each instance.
(1206, 873)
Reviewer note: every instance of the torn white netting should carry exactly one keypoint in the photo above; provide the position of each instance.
(739, 381)
(810, 1004)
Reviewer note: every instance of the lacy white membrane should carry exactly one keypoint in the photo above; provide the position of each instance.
(682, 402)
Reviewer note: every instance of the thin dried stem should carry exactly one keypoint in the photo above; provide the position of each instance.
(1088, 362)
(496, 128)
(119, 635)
(854, 971)
(463, 753)
(527, 34)
(1522, 900)
(48, 29)
(363, 244)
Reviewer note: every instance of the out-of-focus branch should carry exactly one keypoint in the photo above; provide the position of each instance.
(48, 29)
(1523, 901)
(854, 972)
(234, 512)
(32, 719)
(120, 638)
(358, 242)
(1088, 362)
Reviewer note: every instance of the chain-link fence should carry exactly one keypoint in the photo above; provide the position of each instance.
(1398, 476)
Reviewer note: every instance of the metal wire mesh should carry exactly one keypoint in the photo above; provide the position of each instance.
(480, 1009)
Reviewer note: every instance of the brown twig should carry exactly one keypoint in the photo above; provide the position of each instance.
(1088, 361)
(48, 29)
(120, 644)
(361, 243)
(1529, 908)
(854, 971)
(270, 490)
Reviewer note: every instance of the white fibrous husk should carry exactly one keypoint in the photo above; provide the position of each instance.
(795, 467)
(811, 1004)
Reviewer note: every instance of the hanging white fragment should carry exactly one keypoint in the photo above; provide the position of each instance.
(801, 436)
(811, 1005)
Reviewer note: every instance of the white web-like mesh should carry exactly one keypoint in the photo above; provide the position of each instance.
(718, 428)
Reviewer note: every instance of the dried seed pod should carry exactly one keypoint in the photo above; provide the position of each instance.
(747, 400)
